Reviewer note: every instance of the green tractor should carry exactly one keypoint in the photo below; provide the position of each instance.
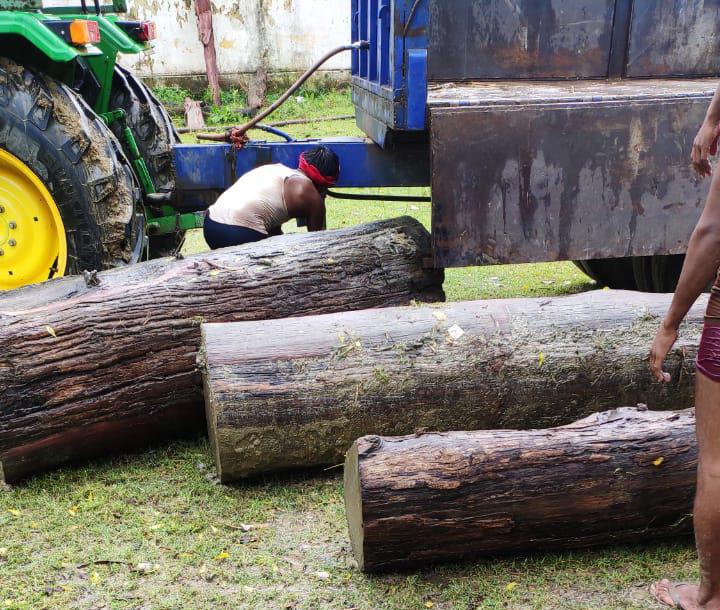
(85, 147)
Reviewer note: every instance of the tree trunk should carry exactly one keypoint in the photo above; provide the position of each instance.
(257, 89)
(615, 477)
(203, 13)
(296, 393)
(91, 365)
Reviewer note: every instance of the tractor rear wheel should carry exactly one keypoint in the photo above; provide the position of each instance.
(155, 137)
(644, 273)
(67, 192)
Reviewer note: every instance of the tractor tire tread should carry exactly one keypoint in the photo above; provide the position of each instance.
(49, 127)
(149, 122)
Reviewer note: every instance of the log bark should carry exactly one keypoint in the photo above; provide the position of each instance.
(98, 364)
(296, 393)
(616, 477)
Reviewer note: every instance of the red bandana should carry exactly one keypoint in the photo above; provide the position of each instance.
(314, 174)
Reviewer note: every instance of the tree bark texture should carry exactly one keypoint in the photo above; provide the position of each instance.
(296, 393)
(98, 364)
(615, 477)
(203, 14)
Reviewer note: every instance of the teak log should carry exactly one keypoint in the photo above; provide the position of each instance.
(289, 394)
(616, 477)
(99, 364)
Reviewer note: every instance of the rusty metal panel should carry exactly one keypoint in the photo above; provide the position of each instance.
(521, 92)
(559, 181)
(475, 39)
(674, 37)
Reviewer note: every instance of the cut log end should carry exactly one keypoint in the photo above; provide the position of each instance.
(623, 476)
(210, 412)
(74, 386)
(353, 504)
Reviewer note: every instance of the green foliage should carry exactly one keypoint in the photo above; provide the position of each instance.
(224, 115)
(171, 95)
(228, 113)
(305, 103)
(228, 97)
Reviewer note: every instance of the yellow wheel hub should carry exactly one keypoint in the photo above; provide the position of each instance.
(33, 247)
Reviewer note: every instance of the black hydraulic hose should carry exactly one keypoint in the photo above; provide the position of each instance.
(274, 131)
(371, 197)
(237, 133)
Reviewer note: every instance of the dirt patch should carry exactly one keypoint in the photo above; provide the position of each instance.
(11, 67)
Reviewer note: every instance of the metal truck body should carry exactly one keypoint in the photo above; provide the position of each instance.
(558, 129)
(548, 129)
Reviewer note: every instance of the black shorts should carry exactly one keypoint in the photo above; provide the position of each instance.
(219, 235)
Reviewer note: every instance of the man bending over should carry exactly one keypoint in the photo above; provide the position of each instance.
(258, 204)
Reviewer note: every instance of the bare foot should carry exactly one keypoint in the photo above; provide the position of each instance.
(679, 595)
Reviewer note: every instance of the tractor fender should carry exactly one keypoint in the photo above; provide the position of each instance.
(30, 26)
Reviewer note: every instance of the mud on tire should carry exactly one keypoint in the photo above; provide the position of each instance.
(155, 137)
(150, 123)
(53, 131)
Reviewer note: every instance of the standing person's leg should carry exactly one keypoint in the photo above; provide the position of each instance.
(707, 498)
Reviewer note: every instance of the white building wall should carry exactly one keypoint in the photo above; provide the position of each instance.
(280, 35)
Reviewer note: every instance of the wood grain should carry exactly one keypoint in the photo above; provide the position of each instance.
(287, 394)
(91, 369)
(613, 478)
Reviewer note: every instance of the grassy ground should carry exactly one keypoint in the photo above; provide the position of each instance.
(156, 531)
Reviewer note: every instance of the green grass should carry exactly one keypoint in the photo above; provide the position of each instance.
(180, 540)
(304, 103)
